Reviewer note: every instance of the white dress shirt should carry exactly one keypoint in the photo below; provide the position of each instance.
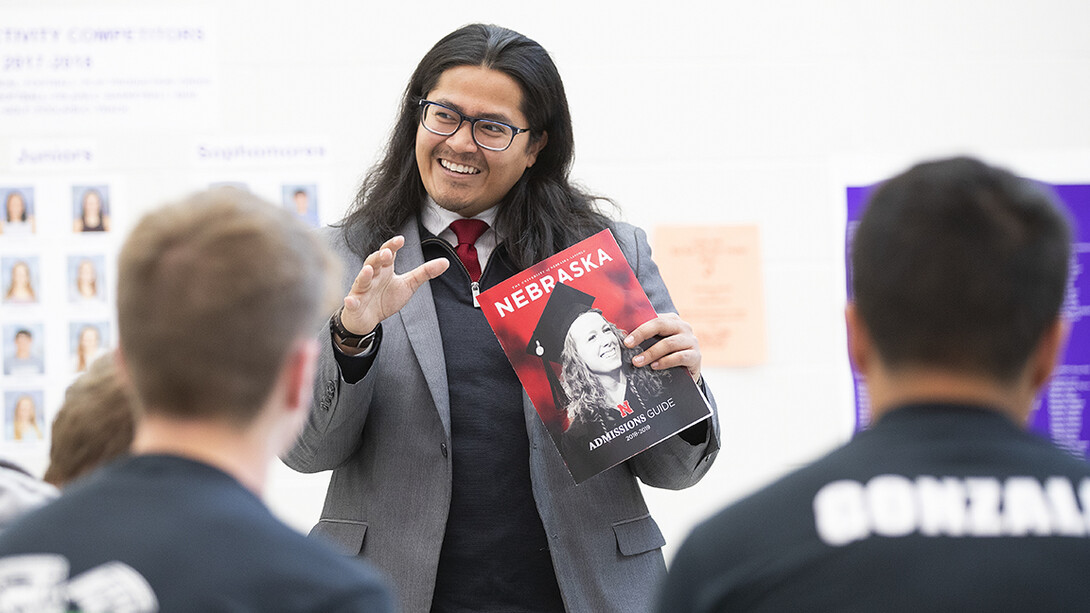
(437, 221)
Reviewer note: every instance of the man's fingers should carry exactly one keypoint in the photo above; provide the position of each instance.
(393, 244)
(377, 261)
(665, 346)
(677, 346)
(382, 257)
(363, 280)
(666, 324)
(684, 358)
(426, 272)
(377, 264)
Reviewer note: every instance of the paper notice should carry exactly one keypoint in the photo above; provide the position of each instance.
(714, 276)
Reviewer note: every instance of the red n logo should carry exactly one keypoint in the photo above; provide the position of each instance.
(624, 408)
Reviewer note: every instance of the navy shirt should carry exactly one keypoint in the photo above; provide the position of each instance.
(935, 508)
(163, 529)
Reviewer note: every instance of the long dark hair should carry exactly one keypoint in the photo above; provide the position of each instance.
(543, 212)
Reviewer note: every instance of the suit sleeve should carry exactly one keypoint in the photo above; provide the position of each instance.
(681, 460)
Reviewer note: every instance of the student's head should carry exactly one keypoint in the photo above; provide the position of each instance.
(959, 266)
(20, 274)
(24, 340)
(494, 73)
(25, 419)
(91, 205)
(302, 201)
(16, 206)
(94, 425)
(88, 344)
(89, 340)
(25, 411)
(87, 279)
(20, 286)
(213, 294)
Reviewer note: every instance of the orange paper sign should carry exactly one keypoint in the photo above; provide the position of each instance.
(714, 276)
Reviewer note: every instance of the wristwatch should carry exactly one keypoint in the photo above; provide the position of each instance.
(346, 337)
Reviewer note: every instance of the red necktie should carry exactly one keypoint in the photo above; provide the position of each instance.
(468, 231)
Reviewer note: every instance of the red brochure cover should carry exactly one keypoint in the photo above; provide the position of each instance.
(561, 323)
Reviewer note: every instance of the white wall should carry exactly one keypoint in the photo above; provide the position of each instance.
(688, 112)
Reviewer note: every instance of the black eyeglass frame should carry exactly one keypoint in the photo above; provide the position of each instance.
(423, 104)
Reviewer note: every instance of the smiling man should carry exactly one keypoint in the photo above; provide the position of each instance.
(443, 474)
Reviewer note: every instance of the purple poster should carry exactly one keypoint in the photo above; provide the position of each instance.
(1061, 411)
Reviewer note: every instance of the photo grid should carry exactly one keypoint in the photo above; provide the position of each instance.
(59, 240)
(58, 246)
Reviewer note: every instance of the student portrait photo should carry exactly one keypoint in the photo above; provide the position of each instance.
(19, 279)
(91, 208)
(86, 281)
(18, 215)
(303, 201)
(23, 349)
(88, 341)
(23, 418)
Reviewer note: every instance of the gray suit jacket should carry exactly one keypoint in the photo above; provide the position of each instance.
(387, 440)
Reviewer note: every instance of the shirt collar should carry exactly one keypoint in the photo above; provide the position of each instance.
(437, 219)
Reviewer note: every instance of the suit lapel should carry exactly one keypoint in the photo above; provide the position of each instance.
(422, 325)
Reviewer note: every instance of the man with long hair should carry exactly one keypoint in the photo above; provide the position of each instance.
(443, 474)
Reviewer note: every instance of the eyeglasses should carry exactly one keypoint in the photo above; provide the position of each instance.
(487, 133)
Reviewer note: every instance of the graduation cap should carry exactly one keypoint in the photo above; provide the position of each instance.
(547, 342)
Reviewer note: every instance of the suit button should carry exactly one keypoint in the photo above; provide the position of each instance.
(443, 448)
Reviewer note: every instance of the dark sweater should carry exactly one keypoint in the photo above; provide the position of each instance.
(495, 554)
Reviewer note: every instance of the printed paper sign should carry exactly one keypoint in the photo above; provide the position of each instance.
(714, 275)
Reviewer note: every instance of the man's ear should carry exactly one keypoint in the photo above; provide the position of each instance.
(860, 346)
(536, 148)
(122, 368)
(299, 374)
(1048, 353)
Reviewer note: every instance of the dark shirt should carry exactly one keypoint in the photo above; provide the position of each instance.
(181, 533)
(935, 508)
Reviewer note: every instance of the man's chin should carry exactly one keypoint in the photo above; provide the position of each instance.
(466, 208)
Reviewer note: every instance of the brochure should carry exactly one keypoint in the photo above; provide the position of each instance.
(562, 324)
